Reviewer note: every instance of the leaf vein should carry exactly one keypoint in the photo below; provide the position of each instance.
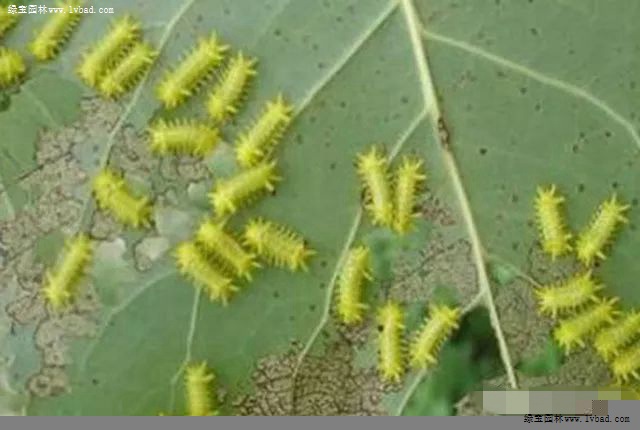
(414, 28)
(543, 78)
(349, 53)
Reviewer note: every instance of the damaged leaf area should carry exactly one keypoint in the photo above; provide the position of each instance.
(495, 99)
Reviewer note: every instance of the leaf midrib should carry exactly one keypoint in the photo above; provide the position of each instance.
(431, 103)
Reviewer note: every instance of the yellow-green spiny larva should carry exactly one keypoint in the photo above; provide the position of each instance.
(56, 30)
(127, 71)
(259, 141)
(183, 137)
(180, 82)
(226, 97)
(12, 67)
(277, 244)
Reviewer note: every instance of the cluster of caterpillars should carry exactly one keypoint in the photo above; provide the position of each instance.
(390, 201)
(425, 344)
(215, 259)
(583, 314)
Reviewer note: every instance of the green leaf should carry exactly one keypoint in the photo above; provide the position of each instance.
(547, 362)
(496, 97)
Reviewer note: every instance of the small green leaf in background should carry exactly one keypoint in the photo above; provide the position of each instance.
(503, 274)
(547, 362)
